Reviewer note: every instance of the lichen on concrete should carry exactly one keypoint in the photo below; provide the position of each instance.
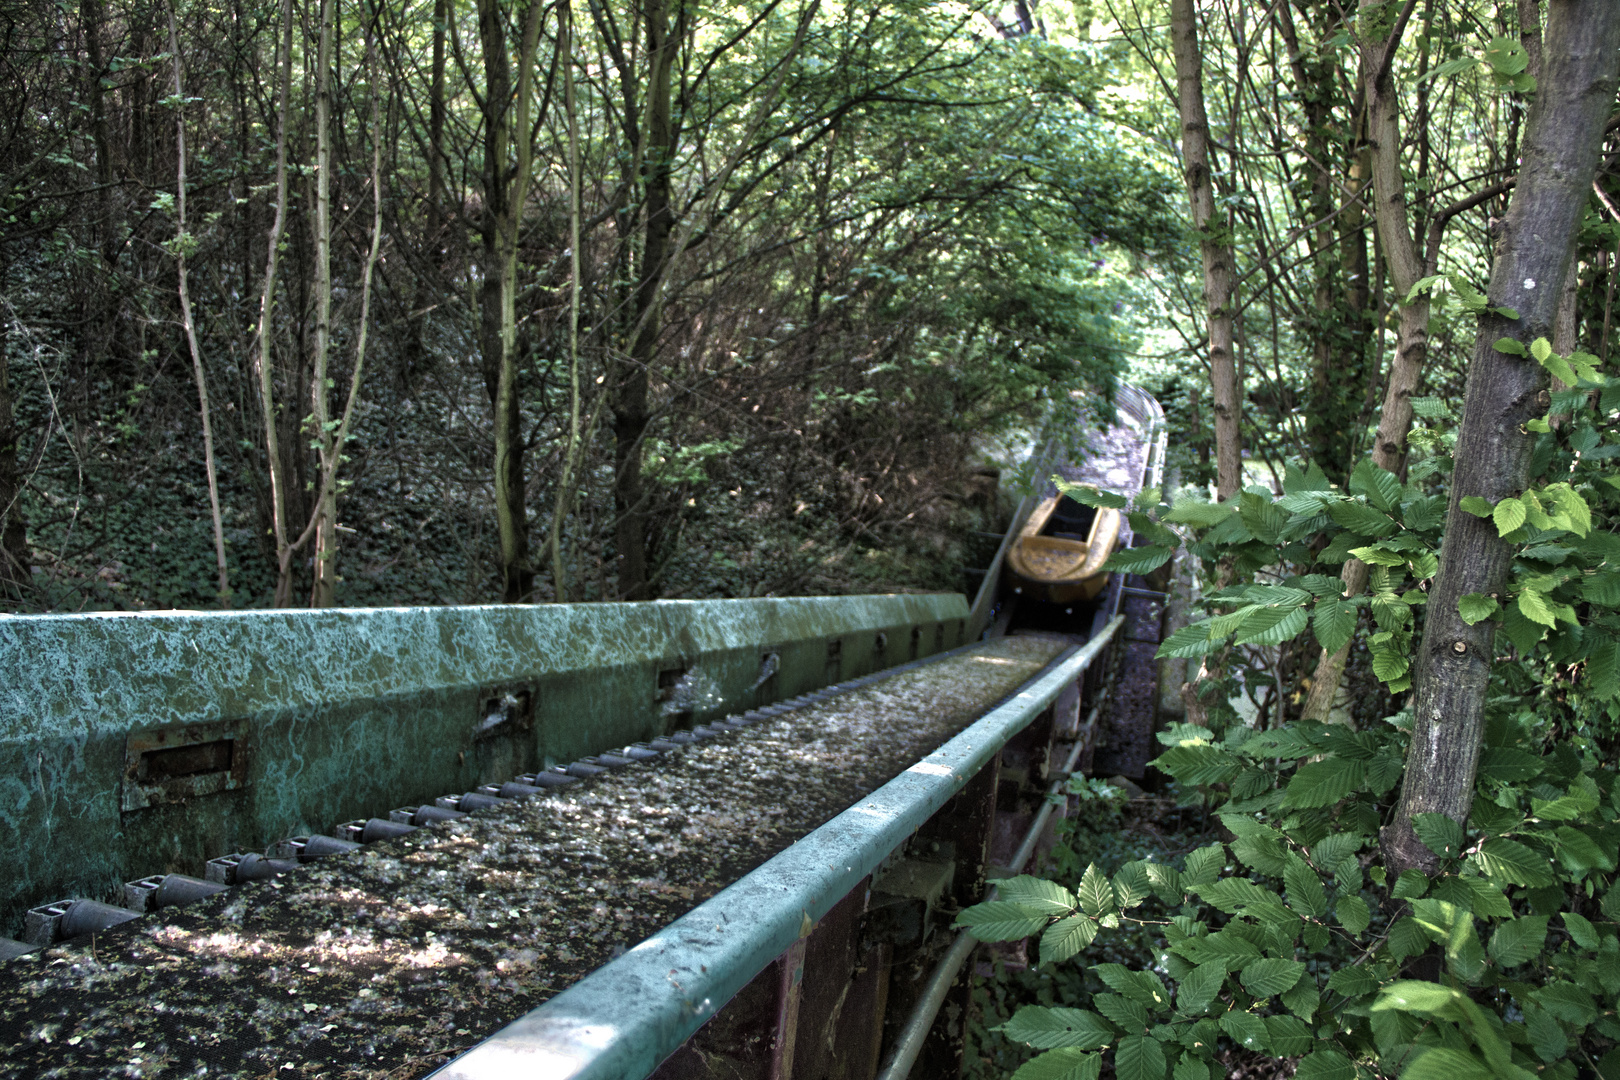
(387, 962)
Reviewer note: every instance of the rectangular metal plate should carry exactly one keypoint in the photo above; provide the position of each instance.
(187, 761)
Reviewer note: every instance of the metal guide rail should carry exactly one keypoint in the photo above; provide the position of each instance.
(485, 907)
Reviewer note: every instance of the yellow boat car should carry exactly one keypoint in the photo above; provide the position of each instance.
(1059, 553)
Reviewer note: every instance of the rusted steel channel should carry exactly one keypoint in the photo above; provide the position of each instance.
(757, 896)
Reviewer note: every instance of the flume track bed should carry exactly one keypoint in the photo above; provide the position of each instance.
(387, 962)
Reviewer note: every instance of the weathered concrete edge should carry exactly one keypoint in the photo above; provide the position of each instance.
(350, 712)
(622, 1020)
(83, 672)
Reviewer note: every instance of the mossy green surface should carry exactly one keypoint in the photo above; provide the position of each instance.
(348, 713)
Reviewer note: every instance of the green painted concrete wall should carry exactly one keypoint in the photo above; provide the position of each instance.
(341, 714)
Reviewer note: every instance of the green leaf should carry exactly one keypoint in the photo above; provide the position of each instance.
(1143, 986)
(1190, 642)
(1581, 930)
(1352, 981)
(1131, 885)
(1476, 607)
(1388, 664)
(1246, 1029)
(1555, 364)
(1568, 1002)
(1439, 834)
(1521, 631)
(1426, 283)
(1471, 298)
(1535, 607)
(1166, 882)
(1335, 622)
(1376, 556)
(1517, 940)
(1090, 494)
(1203, 865)
(1096, 894)
(1198, 764)
(1489, 901)
(1509, 346)
(1507, 56)
(1477, 506)
(1509, 765)
(1137, 560)
(1036, 895)
(1045, 1028)
(1066, 937)
(1288, 1037)
(1303, 999)
(1305, 892)
(1323, 783)
(1570, 504)
(1139, 1057)
(1579, 852)
(1269, 977)
(1508, 515)
(1361, 519)
(1126, 1014)
(1271, 625)
(1352, 913)
(1199, 512)
(1443, 1063)
(1602, 589)
(1511, 861)
(998, 920)
(1382, 487)
(1224, 948)
(1232, 893)
(1430, 407)
(1411, 883)
(1325, 1065)
(1200, 985)
(1064, 1063)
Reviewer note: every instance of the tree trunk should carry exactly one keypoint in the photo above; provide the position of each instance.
(1214, 243)
(1407, 265)
(1563, 138)
(323, 589)
(92, 16)
(1338, 327)
(559, 516)
(630, 415)
(506, 128)
(182, 240)
(15, 564)
(263, 354)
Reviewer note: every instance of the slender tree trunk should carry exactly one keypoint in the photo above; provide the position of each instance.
(565, 46)
(263, 354)
(323, 588)
(1563, 139)
(15, 564)
(91, 18)
(506, 129)
(1214, 243)
(181, 241)
(443, 12)
(1407, 266)
(630, 409)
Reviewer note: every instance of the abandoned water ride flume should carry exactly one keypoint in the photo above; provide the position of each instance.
(744, 876)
